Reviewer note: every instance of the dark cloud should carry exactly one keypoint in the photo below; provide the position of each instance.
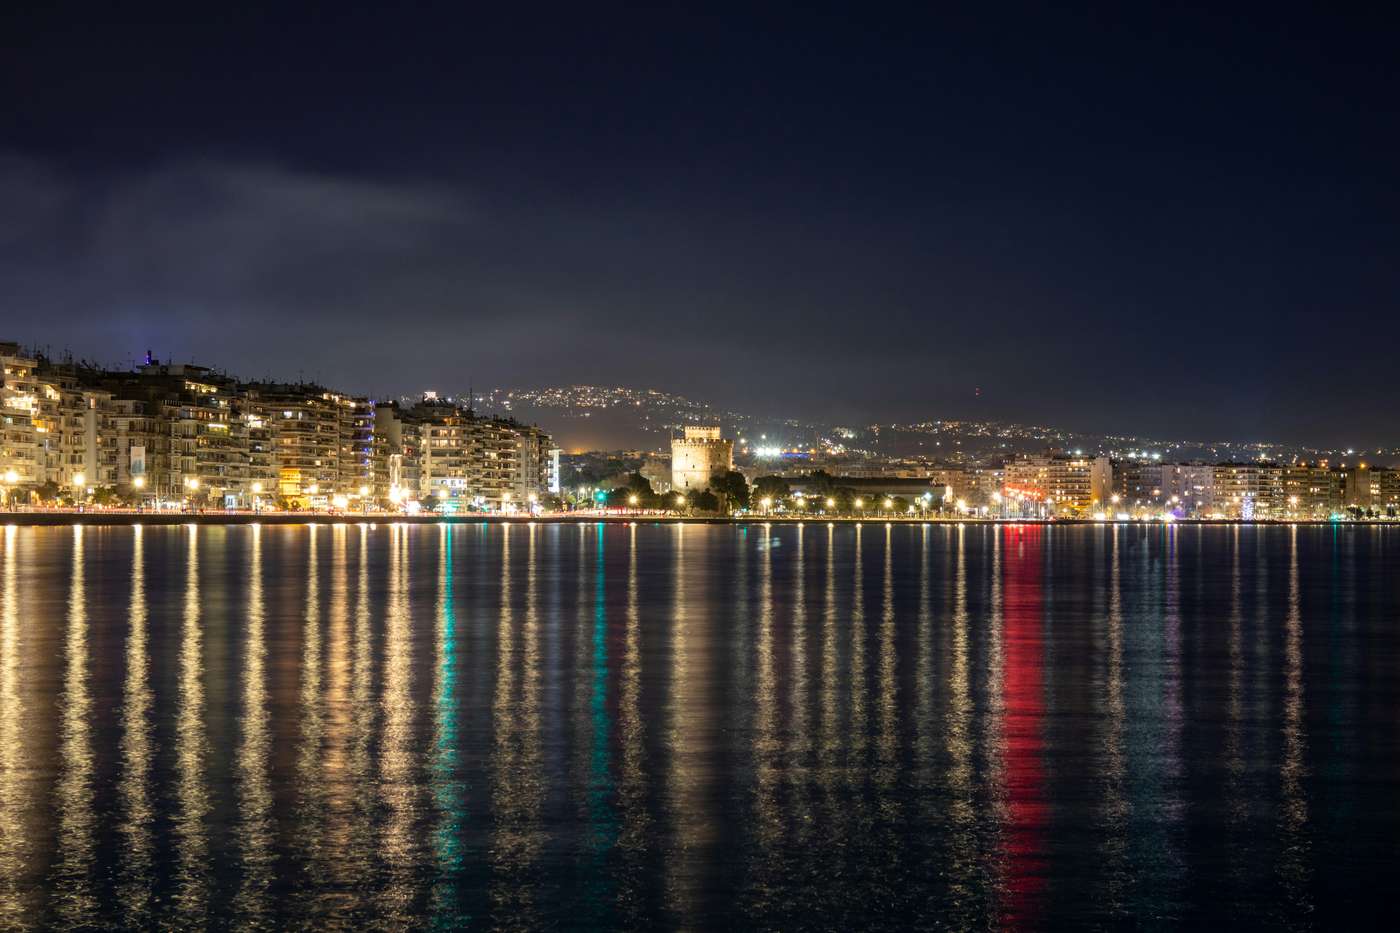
(1169, 224)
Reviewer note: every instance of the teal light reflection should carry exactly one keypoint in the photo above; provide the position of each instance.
(449, 791)
(603, 824)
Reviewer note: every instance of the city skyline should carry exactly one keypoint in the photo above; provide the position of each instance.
(559, 404)
(684, 466)
(180, 436)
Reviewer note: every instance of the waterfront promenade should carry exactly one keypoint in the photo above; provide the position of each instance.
(60, 517)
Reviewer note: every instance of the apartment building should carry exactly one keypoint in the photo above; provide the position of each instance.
(396, 455)
(1069, 486)
(176, 426)
(1310, 491)
(471, 461)
(1371, 489)
(306, 429)
(21, 465)
(1247, 491)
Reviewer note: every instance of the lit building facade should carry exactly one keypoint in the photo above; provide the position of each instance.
(1375, 490)
(21, 466)
(1247, 491)
(1068, 486)
(1310, 491)
(175, 427)
(440, 451)
(698, 455)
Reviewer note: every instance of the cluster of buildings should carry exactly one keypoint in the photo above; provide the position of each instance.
(1069, 486)
(178, 433)
(1066, 485)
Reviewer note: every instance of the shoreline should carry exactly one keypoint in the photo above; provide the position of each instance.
(118, 519)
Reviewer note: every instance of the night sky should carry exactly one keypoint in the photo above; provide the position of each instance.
(1174, 223)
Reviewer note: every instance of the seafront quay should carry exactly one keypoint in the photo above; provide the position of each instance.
(120, 517)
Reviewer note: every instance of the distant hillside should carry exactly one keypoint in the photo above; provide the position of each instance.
(584, 418)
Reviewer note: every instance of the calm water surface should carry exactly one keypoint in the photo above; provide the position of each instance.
(579, 726)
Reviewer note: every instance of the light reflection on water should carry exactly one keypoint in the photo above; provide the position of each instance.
(255, 825)
(75, 902)
(15, 805)
(137, 812)
(772, 725)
